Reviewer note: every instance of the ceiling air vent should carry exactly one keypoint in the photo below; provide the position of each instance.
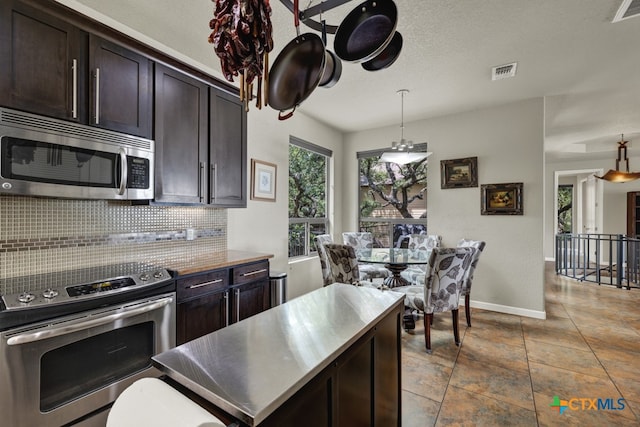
(504, 71)
(628, 9)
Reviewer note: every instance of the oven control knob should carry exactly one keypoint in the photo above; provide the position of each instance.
(26, 297)
(144, 277)
(158, 274)
(50, 293)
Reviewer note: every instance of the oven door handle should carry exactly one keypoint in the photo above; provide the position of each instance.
(91, 323)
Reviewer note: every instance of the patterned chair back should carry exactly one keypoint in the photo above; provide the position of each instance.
(342, 263)
(362, 242)
(320, 241)
(443, 284)
(421, 242)
(479, 246)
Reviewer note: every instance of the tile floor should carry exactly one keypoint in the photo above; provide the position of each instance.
(509, 368)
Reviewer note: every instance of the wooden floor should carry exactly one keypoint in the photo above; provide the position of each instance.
(509, 368)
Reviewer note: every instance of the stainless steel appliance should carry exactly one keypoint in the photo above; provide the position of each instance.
(41, 156)
(72, 341)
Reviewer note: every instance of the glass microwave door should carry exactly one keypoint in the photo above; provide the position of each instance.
(36, 161)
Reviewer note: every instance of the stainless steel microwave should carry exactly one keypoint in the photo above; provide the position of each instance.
(41, 156)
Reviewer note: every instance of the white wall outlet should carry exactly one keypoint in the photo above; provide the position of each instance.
(191, 234)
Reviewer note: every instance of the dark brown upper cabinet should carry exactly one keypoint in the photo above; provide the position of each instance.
(121, 88)
(51, 67)
(181, 134)
(227, 150)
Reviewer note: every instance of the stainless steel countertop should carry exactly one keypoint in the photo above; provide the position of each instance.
(250, 368)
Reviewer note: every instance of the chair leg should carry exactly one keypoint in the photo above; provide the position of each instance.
(428, 318)
(467, 310)
(456, 333)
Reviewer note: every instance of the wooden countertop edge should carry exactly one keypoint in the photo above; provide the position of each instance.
(216, 260)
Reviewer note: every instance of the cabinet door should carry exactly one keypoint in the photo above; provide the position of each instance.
(181, 137)
(43, 65)
(201, 316)
(228, 150)
(249, 299)
(121, 85)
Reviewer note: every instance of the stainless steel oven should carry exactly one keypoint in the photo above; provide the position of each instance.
(68, 369)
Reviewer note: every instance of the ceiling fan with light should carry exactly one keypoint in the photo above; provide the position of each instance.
(399, 155)
(618, 175)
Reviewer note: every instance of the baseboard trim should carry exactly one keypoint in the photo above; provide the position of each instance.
(509, 310)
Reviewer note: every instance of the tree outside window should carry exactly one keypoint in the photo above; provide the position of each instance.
(393, 199)
(565, 208)
(308, 171)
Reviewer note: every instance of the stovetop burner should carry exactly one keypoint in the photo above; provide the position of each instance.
(64, 287)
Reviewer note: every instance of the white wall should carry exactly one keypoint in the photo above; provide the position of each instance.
(263, 226)
(508, 141)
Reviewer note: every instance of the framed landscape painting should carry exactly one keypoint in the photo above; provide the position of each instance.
(459, 173)
(263, 180)
(501, 199)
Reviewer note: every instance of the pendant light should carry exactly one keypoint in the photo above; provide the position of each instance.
(618, 175)
(399, 155)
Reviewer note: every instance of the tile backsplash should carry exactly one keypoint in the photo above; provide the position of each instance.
(41, 235)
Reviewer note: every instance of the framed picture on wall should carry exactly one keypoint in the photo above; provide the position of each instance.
(501, 199)
(459, 173)
(263, 181)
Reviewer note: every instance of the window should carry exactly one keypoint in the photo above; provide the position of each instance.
(565, 206)
(308, 194)
(392, 198)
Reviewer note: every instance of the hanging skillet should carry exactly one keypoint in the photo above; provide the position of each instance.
(296, 71)
(388, 55)
(366, 31)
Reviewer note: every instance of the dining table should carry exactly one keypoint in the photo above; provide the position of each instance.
(395, 260)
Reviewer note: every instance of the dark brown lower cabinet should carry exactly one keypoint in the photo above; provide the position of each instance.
(199, 316)
(214, 299)
(360, 388)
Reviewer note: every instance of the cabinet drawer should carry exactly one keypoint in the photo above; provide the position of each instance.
(250, 272)
(200, 284)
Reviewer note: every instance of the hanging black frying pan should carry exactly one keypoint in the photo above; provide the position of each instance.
(296, 71)
(366, 31)
(388, 55)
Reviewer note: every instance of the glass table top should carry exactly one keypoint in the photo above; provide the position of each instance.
(396, 256)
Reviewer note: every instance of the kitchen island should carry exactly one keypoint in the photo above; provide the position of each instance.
(329, 357)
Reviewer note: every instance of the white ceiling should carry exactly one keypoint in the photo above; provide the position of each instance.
(568, 51)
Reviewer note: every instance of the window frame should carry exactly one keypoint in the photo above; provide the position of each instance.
(391, 221)
(309, 250)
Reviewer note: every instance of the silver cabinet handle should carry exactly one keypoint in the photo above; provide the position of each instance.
(237, 305)
(97, 96)
(199, 285)
(123, 172)
(213, 180)
(74, 326)
(226, 308)
(253, 273)
(200, 173)
(74, 89)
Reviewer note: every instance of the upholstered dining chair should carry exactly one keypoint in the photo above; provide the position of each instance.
(321, 240)
(443, 285)
(343, 263)
(414, 274)
(468, 279)
(362, 243)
